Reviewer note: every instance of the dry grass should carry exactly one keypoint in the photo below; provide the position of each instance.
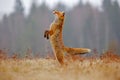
(107, 67)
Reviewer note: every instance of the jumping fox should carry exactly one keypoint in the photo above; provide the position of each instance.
(56, 39)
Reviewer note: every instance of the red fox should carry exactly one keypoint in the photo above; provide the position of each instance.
(56, 39)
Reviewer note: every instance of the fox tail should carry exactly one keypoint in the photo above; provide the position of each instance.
(76, 51)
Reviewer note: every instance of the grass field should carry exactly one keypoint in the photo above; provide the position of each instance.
(102, 68)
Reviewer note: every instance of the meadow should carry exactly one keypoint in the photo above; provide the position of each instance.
(104, 67)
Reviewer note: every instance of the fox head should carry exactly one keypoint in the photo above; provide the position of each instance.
(59, 14)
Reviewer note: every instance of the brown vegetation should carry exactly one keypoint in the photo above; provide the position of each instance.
(105, 67)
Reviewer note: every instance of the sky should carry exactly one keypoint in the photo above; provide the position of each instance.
(7, 6)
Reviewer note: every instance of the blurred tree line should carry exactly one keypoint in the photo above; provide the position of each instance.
(85, 26)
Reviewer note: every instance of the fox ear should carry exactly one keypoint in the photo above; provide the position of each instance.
(63, 13)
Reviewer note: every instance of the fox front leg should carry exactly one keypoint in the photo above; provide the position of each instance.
(46, 34)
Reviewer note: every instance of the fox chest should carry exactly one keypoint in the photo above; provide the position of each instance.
(54, 39)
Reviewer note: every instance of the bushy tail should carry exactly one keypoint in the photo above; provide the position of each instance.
(76, 51)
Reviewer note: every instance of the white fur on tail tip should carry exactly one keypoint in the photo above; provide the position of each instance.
(89, 50)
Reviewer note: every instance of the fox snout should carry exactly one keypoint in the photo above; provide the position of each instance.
(55, 11)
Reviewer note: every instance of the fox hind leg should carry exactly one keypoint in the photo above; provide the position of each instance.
(60, 58)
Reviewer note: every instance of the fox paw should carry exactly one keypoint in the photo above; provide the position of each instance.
(46, 34)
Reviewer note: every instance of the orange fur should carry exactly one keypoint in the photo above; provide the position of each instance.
(56, 39)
